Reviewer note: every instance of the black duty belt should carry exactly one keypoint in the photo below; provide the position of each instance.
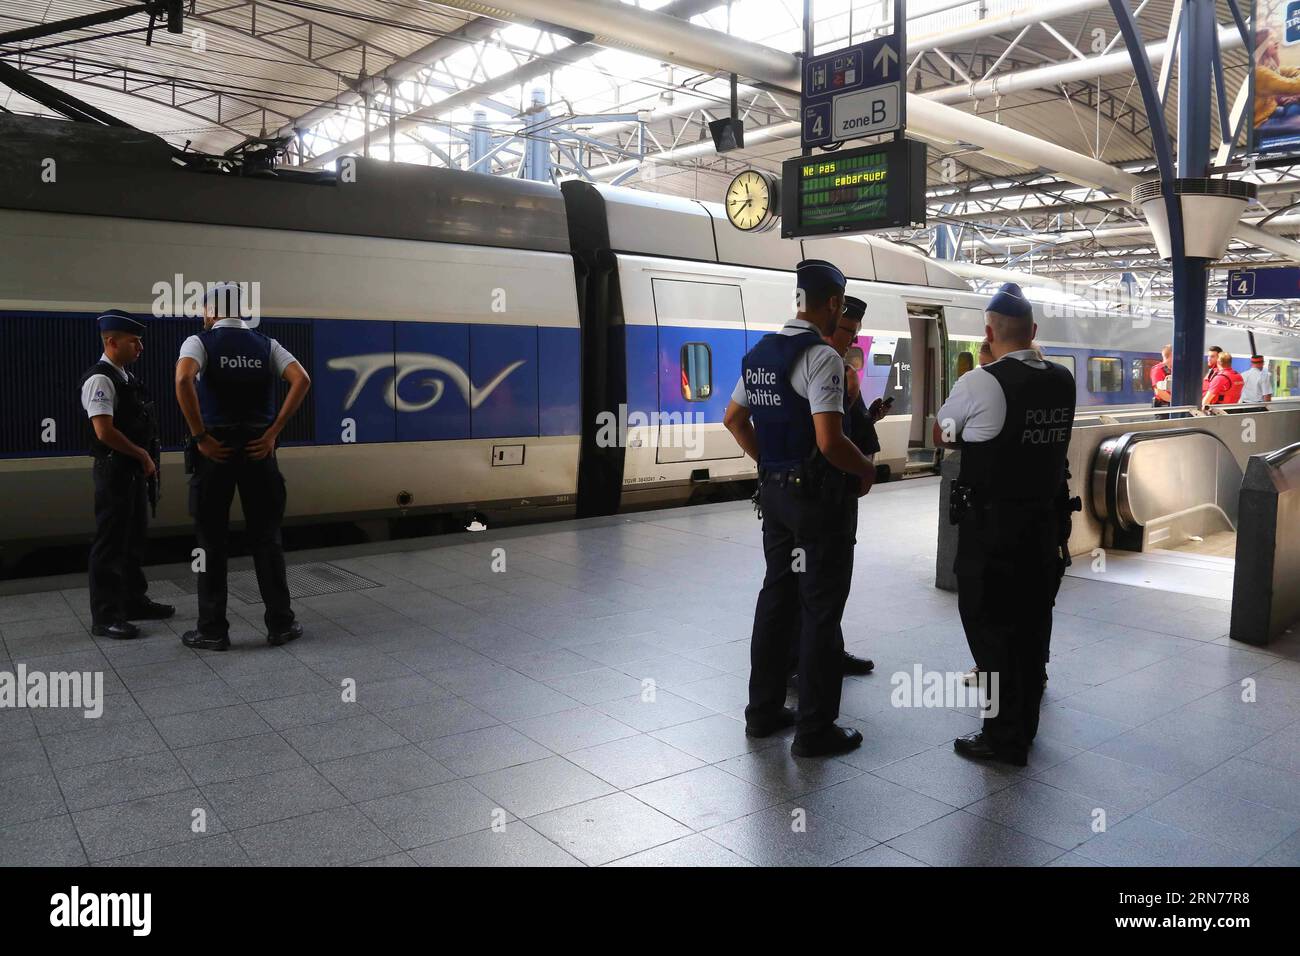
(221, 432)
(785, 477)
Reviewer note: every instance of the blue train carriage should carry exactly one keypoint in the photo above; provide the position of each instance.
(686, 295)
(437, 316)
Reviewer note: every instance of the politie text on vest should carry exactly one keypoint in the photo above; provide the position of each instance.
(1041, 417)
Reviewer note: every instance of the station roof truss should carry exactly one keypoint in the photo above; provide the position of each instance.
(471, 85)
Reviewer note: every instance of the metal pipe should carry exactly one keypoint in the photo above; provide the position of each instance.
(1068, 72)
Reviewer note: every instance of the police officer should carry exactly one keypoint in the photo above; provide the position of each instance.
(788, 405)
(859, 420)
(226, 383)
(1012, 420)
(123, 442)
(860, 427)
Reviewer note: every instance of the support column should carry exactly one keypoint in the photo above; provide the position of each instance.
(537, 149)
(1195, 68)
(479, 143)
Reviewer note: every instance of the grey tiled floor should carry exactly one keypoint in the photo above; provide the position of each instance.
(585, 707)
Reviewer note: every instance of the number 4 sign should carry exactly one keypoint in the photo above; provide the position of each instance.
(817, 123)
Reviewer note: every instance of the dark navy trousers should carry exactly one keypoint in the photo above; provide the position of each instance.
(808, 545)
(117, 583)
(262, 497)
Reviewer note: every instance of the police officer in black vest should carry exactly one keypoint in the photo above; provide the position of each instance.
(1012, 420)
(787, 407)
(124, 444)
(227, 380)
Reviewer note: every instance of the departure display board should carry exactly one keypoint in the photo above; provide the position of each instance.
(854, 190)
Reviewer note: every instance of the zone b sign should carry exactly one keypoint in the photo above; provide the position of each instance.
(853, 92)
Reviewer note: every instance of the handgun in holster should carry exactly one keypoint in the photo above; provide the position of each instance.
(960, 499)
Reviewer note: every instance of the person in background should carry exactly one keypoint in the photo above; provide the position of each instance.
(1212, 368)
(986, 353)
(1257, 382)
(1226, 386)
(965, 362)
(1160, 378)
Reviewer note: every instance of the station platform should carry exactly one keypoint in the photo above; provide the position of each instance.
(584, 706)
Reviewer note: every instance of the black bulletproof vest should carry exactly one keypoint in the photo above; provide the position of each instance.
(782, 417)
(1025, 462)
(858, 426)
(133, 412)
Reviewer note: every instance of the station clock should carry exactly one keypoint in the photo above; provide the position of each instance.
(753, 201)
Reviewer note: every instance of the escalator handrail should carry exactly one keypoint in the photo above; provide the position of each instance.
(1116, 451)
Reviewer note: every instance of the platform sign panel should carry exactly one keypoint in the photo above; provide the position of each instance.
(853, 92)
(854, 190)
(1275, 79)
(1264, 283)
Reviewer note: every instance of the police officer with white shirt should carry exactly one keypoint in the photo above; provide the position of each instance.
(123, 442)
(1012, 420)
(227, 379)
(788, 406)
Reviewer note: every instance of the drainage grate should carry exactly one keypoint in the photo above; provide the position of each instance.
(305, 580)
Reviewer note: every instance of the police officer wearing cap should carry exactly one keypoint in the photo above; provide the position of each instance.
(1012, 420)
(787, 407)
(859, 420)
(227, 380)
(123, 442)
(860, 427)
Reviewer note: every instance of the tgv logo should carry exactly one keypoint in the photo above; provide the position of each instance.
(407, 363)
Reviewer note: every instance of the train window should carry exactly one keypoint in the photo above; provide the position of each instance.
(882, 358)
(1105, 374)
(1065, 361)
(697, 371)
(1141, 373)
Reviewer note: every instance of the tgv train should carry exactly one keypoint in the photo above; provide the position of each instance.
(476, 344)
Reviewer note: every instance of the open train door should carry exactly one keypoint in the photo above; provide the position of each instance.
(928, 376)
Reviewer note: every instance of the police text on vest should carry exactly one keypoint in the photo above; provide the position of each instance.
(240, 361)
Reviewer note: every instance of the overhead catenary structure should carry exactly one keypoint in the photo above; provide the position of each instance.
(1037, 132)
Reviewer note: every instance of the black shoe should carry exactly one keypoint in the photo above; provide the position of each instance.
(858, 665)
(119, 630)
(202, 642)
(978, 747)
(766, 728)
(150, 611)
(290, 633)
(826, 743)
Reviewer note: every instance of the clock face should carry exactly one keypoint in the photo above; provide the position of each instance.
(750, 201)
